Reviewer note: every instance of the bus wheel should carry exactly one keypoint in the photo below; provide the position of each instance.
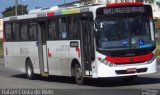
(78, 75)
(128, 79)
(29, 70)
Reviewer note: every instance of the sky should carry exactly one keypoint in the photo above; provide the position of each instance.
(32, 3)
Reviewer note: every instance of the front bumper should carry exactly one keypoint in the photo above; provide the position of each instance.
(119, 71)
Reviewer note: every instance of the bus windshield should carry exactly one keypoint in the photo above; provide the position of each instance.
(123, 33)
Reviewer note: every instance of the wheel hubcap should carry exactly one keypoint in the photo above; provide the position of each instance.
(78, 73)
(29, 71)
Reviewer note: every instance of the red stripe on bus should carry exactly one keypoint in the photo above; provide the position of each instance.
(131, 59)
(50, 14)
(49, 53)
(78, 51)
(124, 4)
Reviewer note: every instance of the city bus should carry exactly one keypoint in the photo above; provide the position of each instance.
(95, 41)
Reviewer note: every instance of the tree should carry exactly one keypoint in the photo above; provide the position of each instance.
(158, 2)
(10, 11)
(86, 2)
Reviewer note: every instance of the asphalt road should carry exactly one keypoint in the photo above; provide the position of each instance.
(64, 85)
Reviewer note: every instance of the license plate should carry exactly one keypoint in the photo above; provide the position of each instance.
(131, 70)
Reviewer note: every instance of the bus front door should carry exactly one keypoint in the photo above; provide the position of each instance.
(87, 43)
(42, 48)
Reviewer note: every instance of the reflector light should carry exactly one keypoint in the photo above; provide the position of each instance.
(49, 53)
(78, 51)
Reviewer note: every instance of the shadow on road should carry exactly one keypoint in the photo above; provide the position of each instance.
(107, 82)
(115, 82)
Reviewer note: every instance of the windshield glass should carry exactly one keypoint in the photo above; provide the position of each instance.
(123, 33)
(140, 33)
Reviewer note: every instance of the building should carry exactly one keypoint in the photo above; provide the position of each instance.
(1, 28)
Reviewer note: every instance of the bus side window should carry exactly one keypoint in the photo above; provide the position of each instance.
(70, 27)
(75, 28)
(32, 30)
(72, 22)
(24, 31)
(63, 32)
(8, 31)
(52, 33)
(16, 31)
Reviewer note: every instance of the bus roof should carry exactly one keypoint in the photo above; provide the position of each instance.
(55, 11)
(45, 13)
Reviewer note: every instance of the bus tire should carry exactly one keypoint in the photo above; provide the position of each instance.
(29, 70)
(78, 75)
(128, 79)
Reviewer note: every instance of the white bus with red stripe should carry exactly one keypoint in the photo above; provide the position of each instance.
(97, 41)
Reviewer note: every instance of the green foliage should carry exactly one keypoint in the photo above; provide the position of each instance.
(158, 52)
(86, 2)
(1, 43)
(158, 47)
(158, 2)
(1, 47)
(10, 11)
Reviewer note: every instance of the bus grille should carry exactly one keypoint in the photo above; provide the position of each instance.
(130, 63)
(125, 71)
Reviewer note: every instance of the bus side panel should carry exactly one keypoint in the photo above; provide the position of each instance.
(75, 52)
(53, 61)
(60, 57)
(18, 56)
(8, 55)
(20, 52)
(33, 55)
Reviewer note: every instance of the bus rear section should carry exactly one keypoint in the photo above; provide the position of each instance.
(125, 41)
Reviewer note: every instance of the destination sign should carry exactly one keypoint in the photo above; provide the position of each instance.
(122, 10)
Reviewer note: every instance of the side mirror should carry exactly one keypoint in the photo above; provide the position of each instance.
(96, 32)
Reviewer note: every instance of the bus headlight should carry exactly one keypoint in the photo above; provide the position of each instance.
(152, 59)
(105, 62)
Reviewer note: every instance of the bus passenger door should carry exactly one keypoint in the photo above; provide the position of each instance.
(87, 43)
(42, 47)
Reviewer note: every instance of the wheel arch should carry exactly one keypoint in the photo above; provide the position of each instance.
(73, 63)
(28, 58)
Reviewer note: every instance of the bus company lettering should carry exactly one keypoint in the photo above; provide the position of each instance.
(124, 10)
(24, 50)
(63, 48)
